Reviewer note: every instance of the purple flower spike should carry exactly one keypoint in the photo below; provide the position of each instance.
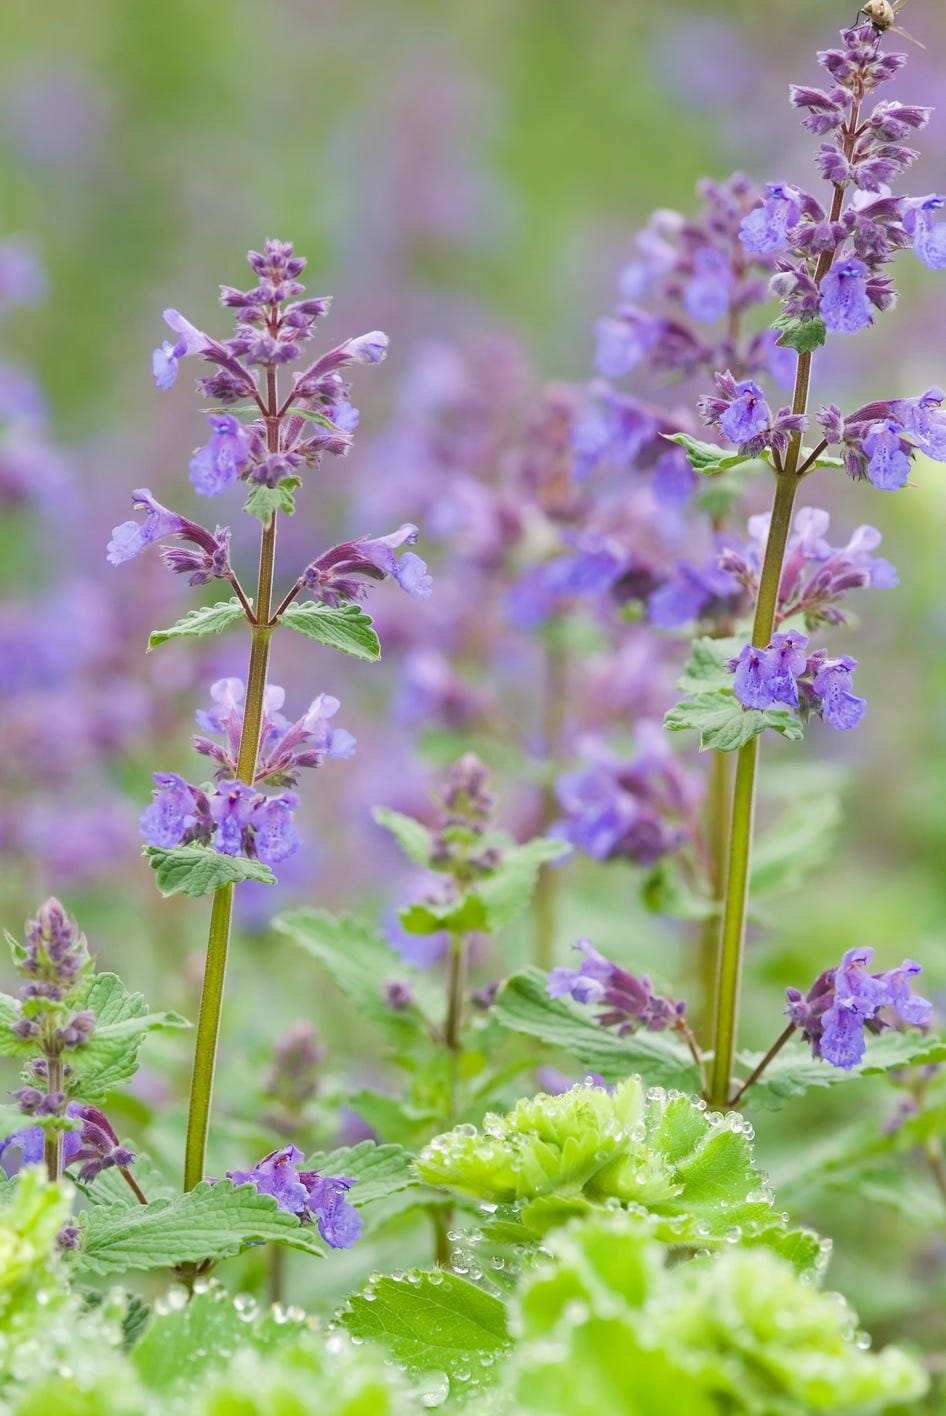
(747, 416)
(843, 1001)
(628, 1001)
(766, 228)
(130, 539)
(165, 822)
(216, 467)
(840, 707)
(845, 306)
(276, 838)
(232, 809)
(929, 241)
(306, 1194)
(164, 360)
(888, 466)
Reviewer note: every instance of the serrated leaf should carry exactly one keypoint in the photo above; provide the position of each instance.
(380, 1170)
(794, 1071)
(804, 336)
(110, 1057)
(264, 502)
(347, 628)
(706, 670)
(799, 841)
(209, 619)
(705, 457)
(412, 836)
(209, 1222)
(433, 1322)
(523, 1005)
(199, 870)
(460, 916)
(725, 725)
(507, 891)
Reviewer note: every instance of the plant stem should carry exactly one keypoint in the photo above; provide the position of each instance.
(442, 1215)
(218, 942)
(52, 1146)
(773, 1051)
(277, 1273)
(133, 1185)
(717, 843)
(732, 942)
(545, 900)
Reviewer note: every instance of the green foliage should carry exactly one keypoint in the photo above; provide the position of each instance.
(346, 627)
(380, 1170)
(794, 1071)
(209, 619)
(433, 1322)
(263, 502)
(799, 841)
(713, 709)
(707, 458)
(523, 1005)
(656, 1152)
(212, 1221)
(493, 901)
(200, 870)
(414, 838)
(607, 1329)
(11, 1011)
(110, 1057)
(804, 336)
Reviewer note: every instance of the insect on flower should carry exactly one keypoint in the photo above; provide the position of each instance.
(882, 14)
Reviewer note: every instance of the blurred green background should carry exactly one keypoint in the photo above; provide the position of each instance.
(453, 167)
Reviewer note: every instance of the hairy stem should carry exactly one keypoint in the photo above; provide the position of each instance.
(133, 1185)
(218, 942)
(545, 900)
(52, 1146)
(773, 1051)
(732, 940)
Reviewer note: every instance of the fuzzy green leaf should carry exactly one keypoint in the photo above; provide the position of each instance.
(706, 670)
(799, 841)
(523, 1006)
(380, 1170)
(110, 1057)
(347, 628)
(264, 502)
(793, 1071)
(209, 619)
(804, 336)
(705, 457)
(725, 725)
(433, 1322)
(199, 870)
(10, 1044)
(412, 836)
(209, 1222)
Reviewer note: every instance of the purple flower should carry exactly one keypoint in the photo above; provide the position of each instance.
(215, 467)
(707, 295)
(752, 668)
(275, 837)
(164, 360)
(232, 810)
(840, 707)
(337, 574)
(172, 812)
(765, 229)
(306, 1194)
(211, 561)
(929, 241)
(95, 1143)
(622, 343)
(843, 1001)
(845, 306)
(628, 1001)
(367, 348)
(888, 466)
(924, 419)
(748, 415)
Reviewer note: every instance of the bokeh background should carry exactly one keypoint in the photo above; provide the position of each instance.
(469, 178)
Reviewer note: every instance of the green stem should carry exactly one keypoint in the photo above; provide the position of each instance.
(545, 900)
(717, 844)
(442, 1215)
(773, 1051)
(732, 941)
(218, 942)
(52, 1147)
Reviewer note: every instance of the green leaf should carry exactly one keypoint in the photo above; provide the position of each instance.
(523, 1006)
(461, 916)
(187, 1339)
(312, 417)
(725, 725)
(793, 1071)
(347, 628)
(359, 962)
(705, 457)
(799, 841)
(10, 1045)
(209, 1222)
(706, 670)
(412, 836)
(380, 1170)
(433, 1322)
(804, 336)
(199, 870)
(665, 891)
(110, 1057)
(509, 889)
(209, 619)
(264, 502)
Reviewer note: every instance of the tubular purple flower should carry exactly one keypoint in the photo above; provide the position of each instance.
(765, 229)
(216, 467)
(888, 466)
(131, 538)
(929, 241)
(748, 415)
(231, 809)
(707, 295)
(165, 359)
(306, 1194)
(172, 812)
(367, 348)
(275, 838)
(843, 1001)
(336, 575)
(628, 1001)
(840, 707)
(845, 306)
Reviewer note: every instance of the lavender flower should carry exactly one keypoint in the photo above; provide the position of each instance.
(929, 240)
(285, 748)
(842, 1002)
(215, 467)
(845, 305)
(628, 1001)
(165, 359)
(879, 440)
(94, 1143)
(306, 1194)
(783, 673)
(211, 561)
(337, 574)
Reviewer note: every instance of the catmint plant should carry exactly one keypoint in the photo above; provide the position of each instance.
(265, 436)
